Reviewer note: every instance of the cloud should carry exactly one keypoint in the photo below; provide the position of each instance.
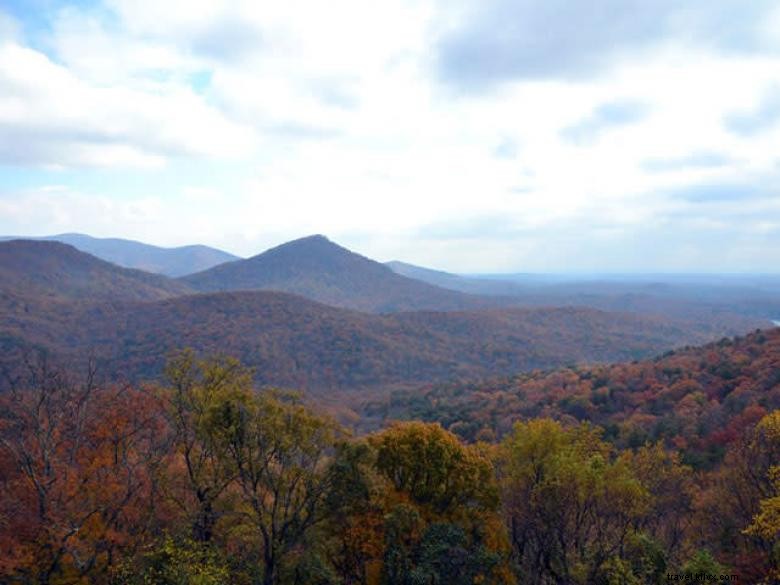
(494, 41)
(762, 118)
(241, 125)
(49, 117)
(604, 117)
(223, 31)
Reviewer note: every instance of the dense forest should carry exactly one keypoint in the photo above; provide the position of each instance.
(696, 400)
(203, 479)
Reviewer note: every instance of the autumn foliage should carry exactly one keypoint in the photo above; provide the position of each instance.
(203, 479)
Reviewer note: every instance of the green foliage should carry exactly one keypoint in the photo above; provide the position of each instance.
(434, 468)
(703, 562)
(443, 555)
(280, 451)
(175, 563)
(441, 523)
(201, 398)
(570, 504)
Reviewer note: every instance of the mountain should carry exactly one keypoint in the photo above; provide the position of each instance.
(318, 269)
(131, 254)
(74, 305)
(298, 343)
(30, 268)
(697, 399)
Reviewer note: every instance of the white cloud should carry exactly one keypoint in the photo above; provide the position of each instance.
(50, 117)
(345, 129)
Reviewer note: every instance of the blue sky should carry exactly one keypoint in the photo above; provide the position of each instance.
(467, 135)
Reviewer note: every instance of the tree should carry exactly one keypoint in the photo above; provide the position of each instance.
(441, 508)
(280, 452)
(435, 469)
(77, 475)
(737, 505)
(569, 505)
(766, 523)
(669, 517)
(174, 563)
(197, 394)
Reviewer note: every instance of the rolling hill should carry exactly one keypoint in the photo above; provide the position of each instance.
(697, 399)
(318, 269)
(172, 262)
(295, 342)
(30, 268)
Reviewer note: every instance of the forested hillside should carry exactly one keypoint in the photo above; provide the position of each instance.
(31, 268)
(201, 479)
(698, 400)
(294, 342)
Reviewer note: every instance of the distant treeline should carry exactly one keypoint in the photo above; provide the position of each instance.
(204, 480)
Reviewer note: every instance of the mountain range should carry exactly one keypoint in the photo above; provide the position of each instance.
(57, 299)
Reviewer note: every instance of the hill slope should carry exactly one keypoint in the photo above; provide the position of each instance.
(31, 268)
(698, 399)
(294, 342)
(318, 269)
(172, 262)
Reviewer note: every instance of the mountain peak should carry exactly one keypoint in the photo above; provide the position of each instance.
(321, 270)
(313, 238)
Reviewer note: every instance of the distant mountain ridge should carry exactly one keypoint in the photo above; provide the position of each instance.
(173, 262)
(73, 305)
(318, 269)
(52, 269)
(704, 297)
(458, 282)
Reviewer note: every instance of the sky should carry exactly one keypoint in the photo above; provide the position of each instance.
(464, 135)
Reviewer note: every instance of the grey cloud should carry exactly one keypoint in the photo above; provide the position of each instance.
(693, 160)
(763, 117)
(699, 237)
(502, 40)
(227, 39)
(605, 116)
